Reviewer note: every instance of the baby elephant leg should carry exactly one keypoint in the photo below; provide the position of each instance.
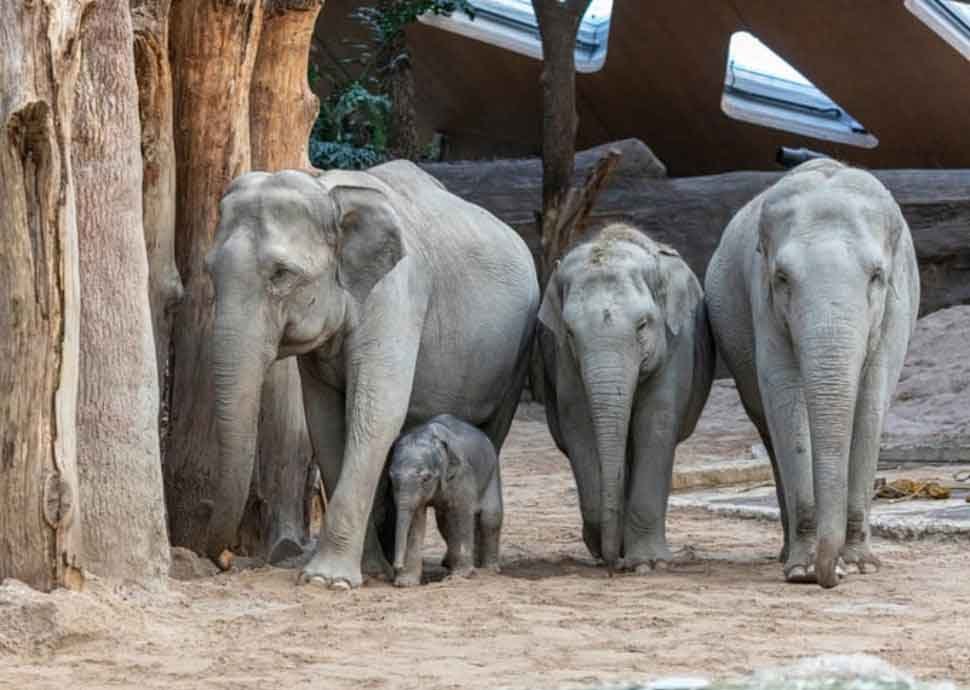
(488, 528)
(461, 541)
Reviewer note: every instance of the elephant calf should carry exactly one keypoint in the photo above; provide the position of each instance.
(452, 467)
(629, 361)
(812, 295)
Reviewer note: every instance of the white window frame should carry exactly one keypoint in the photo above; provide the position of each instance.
(777, 103)
(938, 19)
(483, 28)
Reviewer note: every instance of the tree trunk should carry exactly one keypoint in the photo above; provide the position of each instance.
(397, 83)
(119, 468)
(40, 526)
(150, 20)
(558, 22)
(282, 111)
(213, 46)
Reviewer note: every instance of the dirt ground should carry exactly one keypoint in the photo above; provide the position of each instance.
(551, 619)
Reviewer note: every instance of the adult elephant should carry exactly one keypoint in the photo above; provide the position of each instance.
(813, 294)
(629, 360)
(401, 302)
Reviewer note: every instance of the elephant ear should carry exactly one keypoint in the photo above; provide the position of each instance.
(679, 291)
(550, 311)
(369, 242)
(451, 464)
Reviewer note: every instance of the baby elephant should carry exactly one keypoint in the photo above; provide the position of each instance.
(451, 466)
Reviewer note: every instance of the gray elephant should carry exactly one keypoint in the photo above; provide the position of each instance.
(629, 360)
(452, 467)
(813, 294)
(400, 300)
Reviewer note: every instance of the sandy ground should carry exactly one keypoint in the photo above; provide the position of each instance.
(551, 619)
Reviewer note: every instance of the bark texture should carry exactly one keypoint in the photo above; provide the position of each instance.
(119, 467)
(282, 111)
(397, 83)
(213, 46)
(40, 526)
(558, 24)
(150, 21)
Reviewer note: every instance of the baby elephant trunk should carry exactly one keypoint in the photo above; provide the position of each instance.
(405, 514)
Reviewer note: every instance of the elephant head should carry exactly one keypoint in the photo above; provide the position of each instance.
(828, 240)
(615, 304)
(293, 260)
(421, 465)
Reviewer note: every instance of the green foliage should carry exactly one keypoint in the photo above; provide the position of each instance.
(351, 131)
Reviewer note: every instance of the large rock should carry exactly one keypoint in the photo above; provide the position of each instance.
(690, 213)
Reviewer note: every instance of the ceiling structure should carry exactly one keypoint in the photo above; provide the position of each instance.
(664, 75)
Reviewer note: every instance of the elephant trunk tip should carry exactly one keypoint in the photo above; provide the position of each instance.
(826, 563)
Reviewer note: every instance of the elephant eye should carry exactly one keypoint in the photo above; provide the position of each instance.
(281, 274)
(877, 276)
(781, 277)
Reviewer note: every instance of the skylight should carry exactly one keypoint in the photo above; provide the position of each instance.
(762, 89)
(511, 24)
(948, 18)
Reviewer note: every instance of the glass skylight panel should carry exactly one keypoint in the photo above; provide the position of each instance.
(511, 24)
(949, 19)
(762, 89)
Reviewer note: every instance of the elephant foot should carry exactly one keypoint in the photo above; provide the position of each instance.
(646, 559)
(800, 560)
(859, 558)
(407, 580)
(805, 574)
(461, 573)
(491, 566)
(332, 573)
(376, 566)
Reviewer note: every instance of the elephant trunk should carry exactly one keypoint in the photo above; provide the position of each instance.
(405, 515)
(609, 380)
(240, 361)
(831, 355)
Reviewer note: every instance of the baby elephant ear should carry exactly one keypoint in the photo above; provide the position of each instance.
(680, 291)
(550, 311)
(369, 240)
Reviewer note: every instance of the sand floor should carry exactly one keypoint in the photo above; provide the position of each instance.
(551, 619)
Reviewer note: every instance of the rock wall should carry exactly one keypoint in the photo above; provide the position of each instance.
(690, 213)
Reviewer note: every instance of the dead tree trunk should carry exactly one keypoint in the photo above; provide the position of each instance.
(119, 468)
(213, 46)
(150, 20)
(40, 527)
(282, 111)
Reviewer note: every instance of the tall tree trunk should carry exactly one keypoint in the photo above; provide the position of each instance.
(282, 111)
(213, 46)
(397, 83)
(558, 24)
(40, 526)
(150, 21)
(119, 468)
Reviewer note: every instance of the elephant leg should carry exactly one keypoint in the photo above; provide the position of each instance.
(875, 392)
(488, 527)
(655, 431)
(324, 407)
(414, 561)
(783, 402)
(441, 519)
(497, 427)
(382, 354)
(461, 541)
